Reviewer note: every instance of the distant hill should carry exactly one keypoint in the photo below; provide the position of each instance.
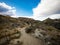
(53, 22)
(48, 30)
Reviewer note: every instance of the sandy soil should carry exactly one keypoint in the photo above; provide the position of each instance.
(28, 39)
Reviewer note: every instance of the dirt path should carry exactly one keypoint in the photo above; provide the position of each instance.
(29, 40)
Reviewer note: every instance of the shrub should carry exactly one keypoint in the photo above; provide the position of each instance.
(30, 29)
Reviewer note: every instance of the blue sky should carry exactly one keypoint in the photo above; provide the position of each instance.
(36, 9)
(23, 7)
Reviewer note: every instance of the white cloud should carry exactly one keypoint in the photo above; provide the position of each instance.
(7, 10)
(47, 8)
(23, 16)
(55, 16)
